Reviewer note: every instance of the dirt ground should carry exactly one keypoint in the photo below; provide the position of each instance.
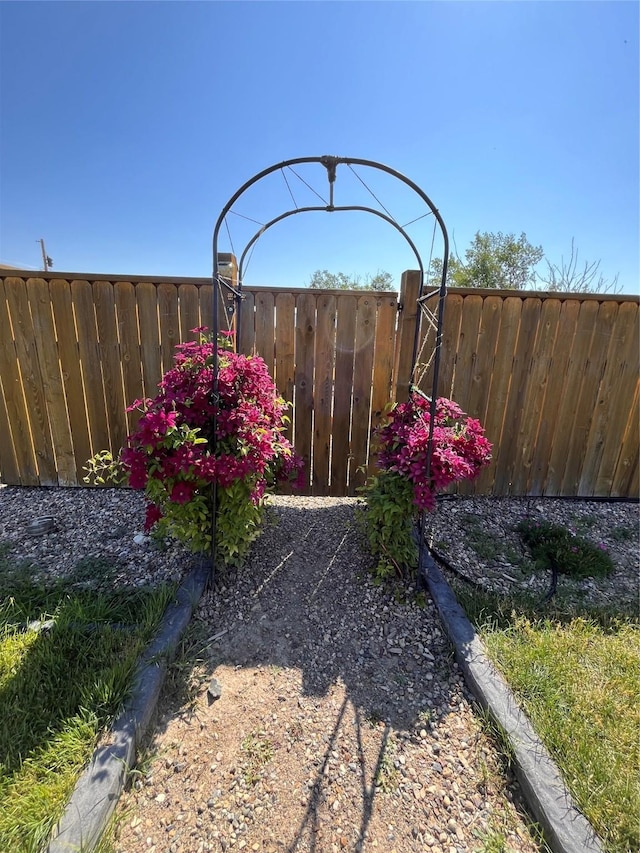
(342, 721)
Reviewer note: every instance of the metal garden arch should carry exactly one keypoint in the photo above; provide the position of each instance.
(232, 296)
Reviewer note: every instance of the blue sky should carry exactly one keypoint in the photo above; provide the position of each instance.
(126, 127)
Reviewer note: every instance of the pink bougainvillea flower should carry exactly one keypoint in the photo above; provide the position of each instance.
(460, 449)
(173, 453)
(152, 515)
(181, 493)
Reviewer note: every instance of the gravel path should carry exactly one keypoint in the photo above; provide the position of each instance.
(343, 722)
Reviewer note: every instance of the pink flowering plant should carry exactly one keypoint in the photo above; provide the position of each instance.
(405, 485)
(170, 454)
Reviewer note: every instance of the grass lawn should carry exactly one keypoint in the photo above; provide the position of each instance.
(61, 684)
(578, 677)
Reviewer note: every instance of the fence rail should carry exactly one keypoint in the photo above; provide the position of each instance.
(553, 377)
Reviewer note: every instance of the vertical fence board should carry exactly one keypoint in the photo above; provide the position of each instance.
(103, 294)
(520, 377)
(564, 433)
(450, 337)
(285, 350)
(67, 341)
(345, 346)
(485, 355)
(32, 383)
(303, 420)
(265, 332)
(9, 471)
(467, 350)
(323, 391)
(473, 365)
(559, 359)
(383, 357)
(363, 366)
(14, 400)
(247, 340)
(425, 356)
(625, 478)
(498, 392)
(169, 323)
(83, 309)
(536, 389)
(619, 381)
(189, 310)
(586, 401)
(49, 360)
(205, 301)
(150, 350)
(130, 351)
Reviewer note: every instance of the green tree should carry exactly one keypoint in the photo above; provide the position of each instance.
(499, 261)
(325, 280)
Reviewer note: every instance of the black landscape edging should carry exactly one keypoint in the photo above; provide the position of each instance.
(100, 785)
(565, 828)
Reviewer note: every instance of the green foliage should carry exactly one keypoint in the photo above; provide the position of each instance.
(502, 261)
(239, 520)
(553, 545)
(579, 685)
(325, 280)
(497, 261)
(61, 685)
(387, 775)
(621, 533)
(103, 470)
(183, 473)
(259, 751)
(489, 546)
(389, 520)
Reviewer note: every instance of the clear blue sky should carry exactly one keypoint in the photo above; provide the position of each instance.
(126, 127)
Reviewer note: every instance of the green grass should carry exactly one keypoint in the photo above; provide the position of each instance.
(577, 675)
(60, 686)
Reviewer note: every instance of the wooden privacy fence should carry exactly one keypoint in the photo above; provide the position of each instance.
(554, 378)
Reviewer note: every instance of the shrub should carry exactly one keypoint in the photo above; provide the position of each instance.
(408, 483)
(554, 545)
(170, 453)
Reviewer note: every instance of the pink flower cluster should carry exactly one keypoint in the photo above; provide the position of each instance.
(172, 440)
(459, 447)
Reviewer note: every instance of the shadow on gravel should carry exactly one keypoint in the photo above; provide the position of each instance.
(305, 601)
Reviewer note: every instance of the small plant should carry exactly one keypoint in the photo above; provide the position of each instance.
(259, 751)
(553, 546)
(389, 524)
(621, 533)
(387, 774)
(170, 454)
(488, 546)
(410, 477)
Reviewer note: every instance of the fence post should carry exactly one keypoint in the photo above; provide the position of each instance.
(227, 306)
(407, 319)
